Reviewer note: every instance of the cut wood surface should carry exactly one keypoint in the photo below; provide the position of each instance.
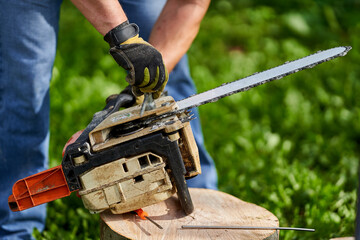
(343, 238)
(211, 208)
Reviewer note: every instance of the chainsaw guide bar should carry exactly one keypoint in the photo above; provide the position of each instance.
(260, 78)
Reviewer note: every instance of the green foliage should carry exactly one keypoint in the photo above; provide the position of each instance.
(291, 146)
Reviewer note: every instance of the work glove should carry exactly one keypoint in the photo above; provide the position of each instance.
(146, 70)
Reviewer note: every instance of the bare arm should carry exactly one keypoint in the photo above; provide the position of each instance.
(176, 28)
(173, 33)
(104, 15)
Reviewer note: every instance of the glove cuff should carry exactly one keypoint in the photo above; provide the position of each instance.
(121, 33)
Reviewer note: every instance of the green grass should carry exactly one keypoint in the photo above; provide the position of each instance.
(291, 146)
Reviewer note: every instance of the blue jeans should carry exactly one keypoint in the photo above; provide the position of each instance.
(28, 32)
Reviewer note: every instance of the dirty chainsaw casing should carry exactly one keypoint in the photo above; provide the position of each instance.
(132, 162)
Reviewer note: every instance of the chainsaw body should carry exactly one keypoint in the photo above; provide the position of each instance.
(127, 162)
(124, 161)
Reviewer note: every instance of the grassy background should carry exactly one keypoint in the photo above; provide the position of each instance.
(291, 146)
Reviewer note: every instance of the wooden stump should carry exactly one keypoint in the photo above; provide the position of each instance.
(211, 208)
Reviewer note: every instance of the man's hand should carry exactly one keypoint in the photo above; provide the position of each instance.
(146, 70)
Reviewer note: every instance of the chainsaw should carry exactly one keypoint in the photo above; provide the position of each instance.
(128, 159)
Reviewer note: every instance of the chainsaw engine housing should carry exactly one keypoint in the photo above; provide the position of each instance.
(132, 162)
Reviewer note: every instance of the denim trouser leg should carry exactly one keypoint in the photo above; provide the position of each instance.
(180, 85)
(28, 32)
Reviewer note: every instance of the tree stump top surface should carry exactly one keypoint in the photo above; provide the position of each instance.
(211, 208)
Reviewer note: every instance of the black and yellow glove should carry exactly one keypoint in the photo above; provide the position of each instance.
(146, 70)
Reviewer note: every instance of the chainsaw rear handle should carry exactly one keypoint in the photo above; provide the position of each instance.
(37, 189)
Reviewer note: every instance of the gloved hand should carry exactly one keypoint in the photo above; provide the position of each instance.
(146, 70)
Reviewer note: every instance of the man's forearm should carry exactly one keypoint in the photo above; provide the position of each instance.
(104, 15)
(173, 33)
(176, 28)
